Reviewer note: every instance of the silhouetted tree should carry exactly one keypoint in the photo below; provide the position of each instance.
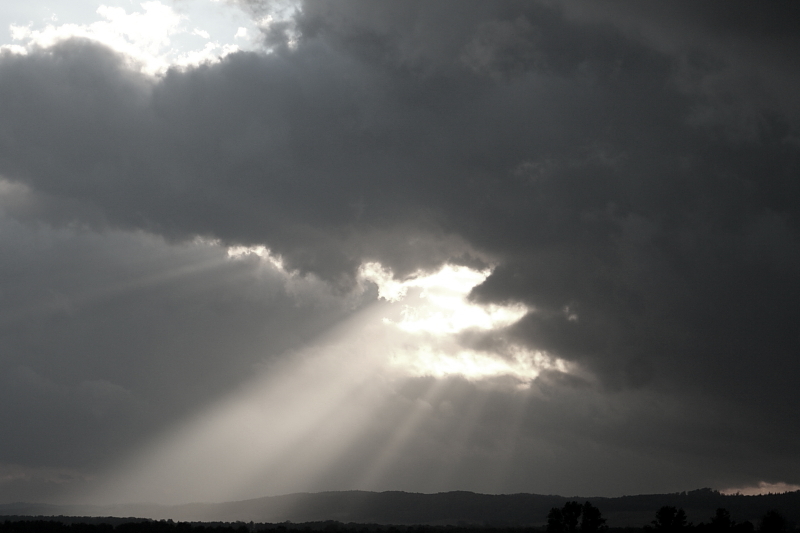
(572, 513)
(669, 519)
(591, 519)
(721, 521)
(773, 522)
(568, 518)
(555, 521)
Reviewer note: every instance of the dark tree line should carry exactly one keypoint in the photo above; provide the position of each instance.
(673, 520)
(161, 526)
(574, 517)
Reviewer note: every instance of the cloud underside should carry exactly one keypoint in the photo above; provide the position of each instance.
(631, 178)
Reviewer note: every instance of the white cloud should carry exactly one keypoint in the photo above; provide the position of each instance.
(144, 37)
(14, 49)
(389, 289)
(432, 309)
(202, 33)
(442, 306)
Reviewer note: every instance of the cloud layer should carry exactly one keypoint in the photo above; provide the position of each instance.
(630, 175)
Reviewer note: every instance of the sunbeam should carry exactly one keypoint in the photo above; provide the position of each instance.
(399, 438)
(459, 438)
(291, 425)
(273, 435)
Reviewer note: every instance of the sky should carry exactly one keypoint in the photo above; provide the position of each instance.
(251, 248)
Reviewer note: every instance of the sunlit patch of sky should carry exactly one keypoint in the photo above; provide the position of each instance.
(155, 35)
(442, 300)
(435, 308)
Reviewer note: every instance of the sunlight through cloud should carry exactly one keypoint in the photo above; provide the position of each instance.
(294, 421)
(434, 308)
(442, 302)
(524, 365)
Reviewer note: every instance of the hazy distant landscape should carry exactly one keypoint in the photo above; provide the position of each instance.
(443, 509)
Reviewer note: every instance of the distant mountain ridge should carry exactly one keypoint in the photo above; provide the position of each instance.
(465, 508)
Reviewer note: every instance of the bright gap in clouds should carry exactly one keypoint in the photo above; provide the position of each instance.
(293, 426)
(153, 35)
(434, 310)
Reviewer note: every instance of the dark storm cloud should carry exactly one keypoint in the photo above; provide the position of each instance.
(633, 173)
(108, 339)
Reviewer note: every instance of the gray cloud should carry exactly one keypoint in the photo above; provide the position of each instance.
(631, 172)
(110, 338)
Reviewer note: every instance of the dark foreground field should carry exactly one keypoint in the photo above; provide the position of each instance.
(117, 525)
